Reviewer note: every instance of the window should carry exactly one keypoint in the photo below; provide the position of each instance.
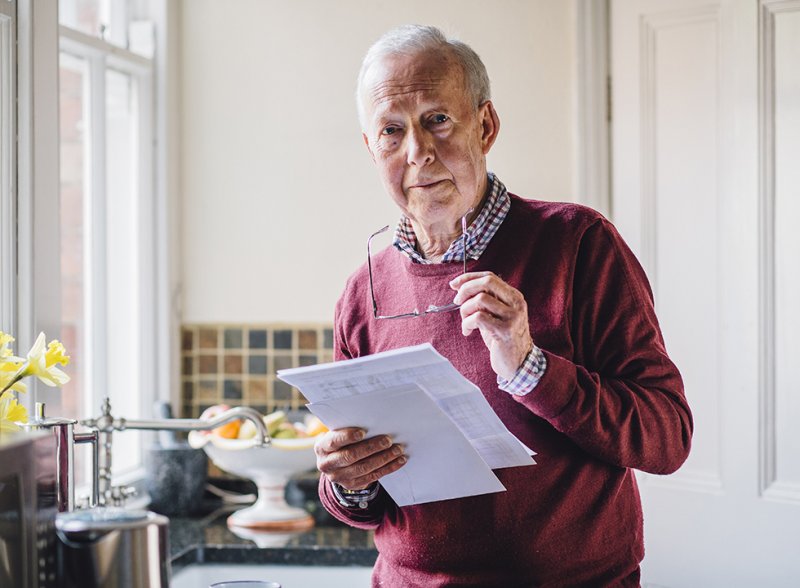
(106, 219)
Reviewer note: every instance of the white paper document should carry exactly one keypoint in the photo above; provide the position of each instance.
(452, 437)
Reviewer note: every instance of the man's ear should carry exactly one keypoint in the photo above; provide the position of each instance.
(366, 142)
(490, 125)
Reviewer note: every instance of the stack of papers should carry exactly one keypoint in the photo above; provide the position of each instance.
(452, 437)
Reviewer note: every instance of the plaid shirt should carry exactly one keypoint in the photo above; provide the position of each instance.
(479, 233)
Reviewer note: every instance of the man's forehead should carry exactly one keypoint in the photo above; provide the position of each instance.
(397, 75)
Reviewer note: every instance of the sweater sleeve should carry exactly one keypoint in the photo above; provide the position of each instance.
(362, 518)
(620, 397)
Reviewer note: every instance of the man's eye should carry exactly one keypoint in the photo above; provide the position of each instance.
(438, 119)
(390, 130)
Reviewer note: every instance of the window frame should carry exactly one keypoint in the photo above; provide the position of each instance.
(31, 280)
(8, 164)
(100, 57)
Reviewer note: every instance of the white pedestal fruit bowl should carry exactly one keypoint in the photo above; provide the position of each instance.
(270, 468)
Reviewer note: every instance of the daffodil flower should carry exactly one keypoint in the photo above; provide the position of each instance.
(11, 412)
(9, 366)
(41, 362)
(5, 341)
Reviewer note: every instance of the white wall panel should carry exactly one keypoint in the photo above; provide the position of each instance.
(780, 31)
(680, 213)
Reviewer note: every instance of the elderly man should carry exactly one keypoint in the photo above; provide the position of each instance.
(542, 305)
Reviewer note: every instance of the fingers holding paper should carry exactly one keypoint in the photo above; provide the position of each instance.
(500, 313)
(353, 461)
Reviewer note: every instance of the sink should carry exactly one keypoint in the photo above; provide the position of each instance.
(288, 576)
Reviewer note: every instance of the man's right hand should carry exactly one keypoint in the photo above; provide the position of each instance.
(353, 462)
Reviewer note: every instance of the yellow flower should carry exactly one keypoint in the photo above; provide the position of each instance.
(10, 381)
(11, 412)
(8, 362)
(9, 366)
(5, 341)
(56, 354)
(42, 363)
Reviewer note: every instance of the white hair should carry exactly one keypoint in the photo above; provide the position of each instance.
(416, 39)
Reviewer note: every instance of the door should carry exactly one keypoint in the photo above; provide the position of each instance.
(706, 189)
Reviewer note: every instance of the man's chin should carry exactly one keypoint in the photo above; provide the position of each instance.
(431, 213)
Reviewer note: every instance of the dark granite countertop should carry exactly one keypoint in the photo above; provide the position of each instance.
(206, 538)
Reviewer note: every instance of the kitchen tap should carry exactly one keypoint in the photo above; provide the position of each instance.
(66, 438)
(106, 424)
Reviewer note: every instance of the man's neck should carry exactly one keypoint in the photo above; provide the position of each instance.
(433, 241)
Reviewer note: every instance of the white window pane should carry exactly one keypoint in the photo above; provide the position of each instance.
(104, 19)
(74, 192)
(82, 15)
(123, 267)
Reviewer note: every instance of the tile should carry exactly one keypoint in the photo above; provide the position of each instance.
(327, 338)
(188, 392)
(208, 364)
(187, 339)
(257, 339)
(233, 338)
(233, 364)
(232, 390)
(281, 392)
(209, 338)
(306, 339)
(256, 390)
(188, 366)
(208, 391)
(308, 360)
(187, 412)
(282, 339)
(257, 364)
(283, 362)
(262, 408)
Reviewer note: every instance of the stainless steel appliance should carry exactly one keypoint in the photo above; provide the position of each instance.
(27, 510)
(111, 547)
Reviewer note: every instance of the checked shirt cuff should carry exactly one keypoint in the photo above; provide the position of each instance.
(527, 376)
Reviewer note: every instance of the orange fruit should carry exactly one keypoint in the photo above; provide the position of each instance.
(228, 430)
(315, 426)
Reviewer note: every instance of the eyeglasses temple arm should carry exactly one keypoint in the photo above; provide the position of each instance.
(369, 269)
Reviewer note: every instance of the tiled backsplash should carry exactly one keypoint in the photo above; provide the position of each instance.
(236, 364)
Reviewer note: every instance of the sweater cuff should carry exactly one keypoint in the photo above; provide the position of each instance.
(556, 388)
(527, 376)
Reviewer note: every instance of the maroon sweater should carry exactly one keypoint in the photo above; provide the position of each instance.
(610, 400)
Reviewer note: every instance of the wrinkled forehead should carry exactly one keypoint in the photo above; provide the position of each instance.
(395, 75)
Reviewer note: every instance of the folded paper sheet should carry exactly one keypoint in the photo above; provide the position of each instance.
(452, 436)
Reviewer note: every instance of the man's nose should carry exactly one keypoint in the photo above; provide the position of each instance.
(419, 147)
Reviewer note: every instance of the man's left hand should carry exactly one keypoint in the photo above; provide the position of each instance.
(500, 313)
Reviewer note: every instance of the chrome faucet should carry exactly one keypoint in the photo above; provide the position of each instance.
(106, 424)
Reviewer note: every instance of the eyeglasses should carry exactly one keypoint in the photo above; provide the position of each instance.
(432, 308)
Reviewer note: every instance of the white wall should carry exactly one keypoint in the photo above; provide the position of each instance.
(278, 191)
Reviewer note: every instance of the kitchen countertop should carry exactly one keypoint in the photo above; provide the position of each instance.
(207, 539)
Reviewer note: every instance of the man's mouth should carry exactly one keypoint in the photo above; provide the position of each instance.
(427, 183)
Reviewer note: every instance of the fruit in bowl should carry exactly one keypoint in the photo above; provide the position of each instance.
(277, 423)
(291, 451)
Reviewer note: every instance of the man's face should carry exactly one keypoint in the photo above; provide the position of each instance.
(426, 136)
